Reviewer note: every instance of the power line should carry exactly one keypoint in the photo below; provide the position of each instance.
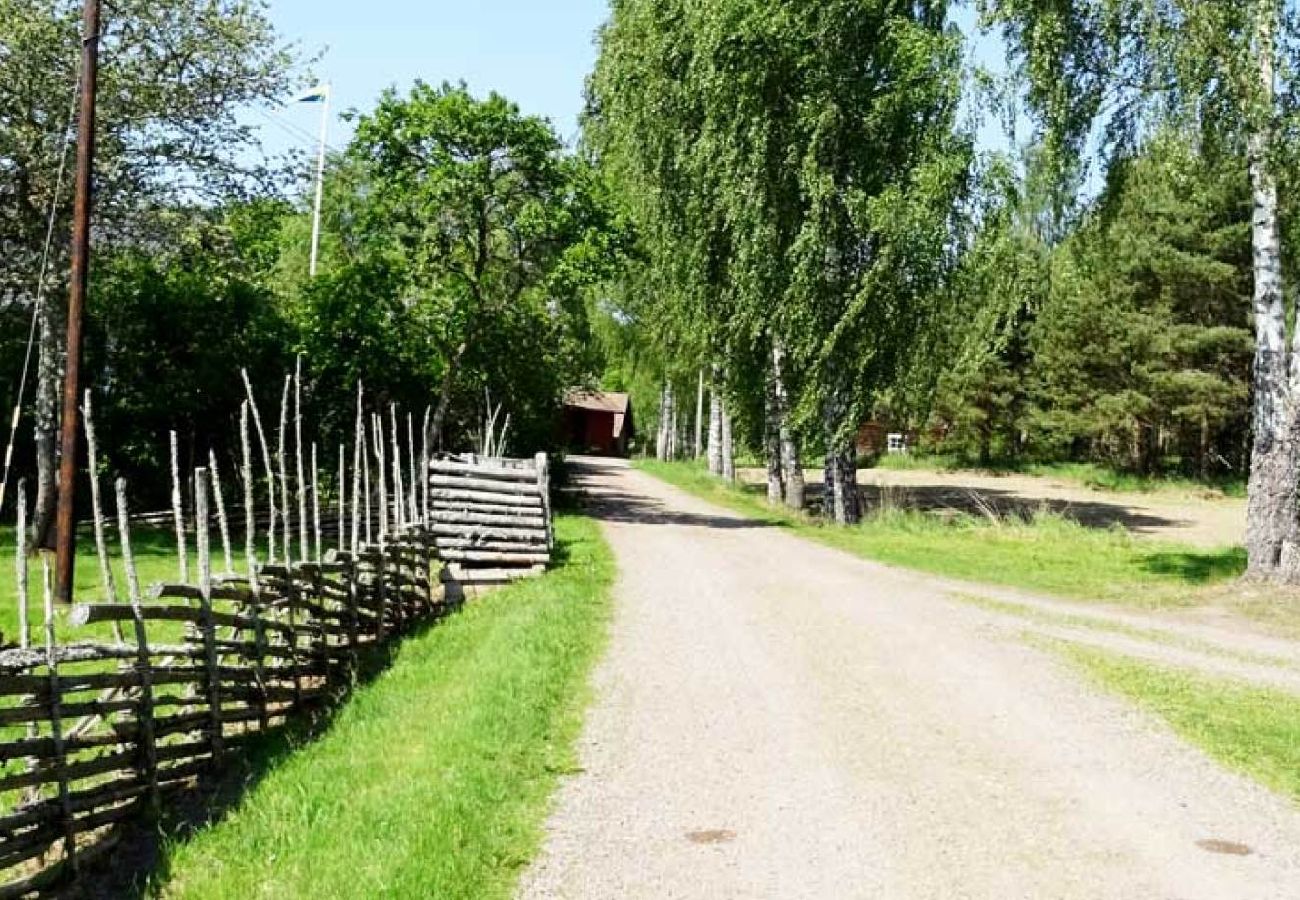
(39, 301)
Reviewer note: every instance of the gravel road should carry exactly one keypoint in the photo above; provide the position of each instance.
(774, 718)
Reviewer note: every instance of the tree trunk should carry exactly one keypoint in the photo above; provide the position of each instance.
(697, 448)
(841, 501)
(715, 426)
(791, 467)
(49, 374)
(444, 394)
(772, 444)
(663, 445)
(728, 448)
(1271, 523)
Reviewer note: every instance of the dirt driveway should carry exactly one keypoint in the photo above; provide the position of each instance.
(1186, 519)
(774, 718)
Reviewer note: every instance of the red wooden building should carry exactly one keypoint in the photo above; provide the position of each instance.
(598, 422)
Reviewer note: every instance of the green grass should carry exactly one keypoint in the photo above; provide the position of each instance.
(1049, 554)
(155, 556)
(433, 780)
(1091, 475)
(1253, 730)
(1040, 616)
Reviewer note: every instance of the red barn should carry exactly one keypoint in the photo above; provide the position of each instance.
(598, 422)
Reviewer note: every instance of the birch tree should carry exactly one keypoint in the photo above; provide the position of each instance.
(1227, 68)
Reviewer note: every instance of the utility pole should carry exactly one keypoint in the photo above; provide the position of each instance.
(66, 519)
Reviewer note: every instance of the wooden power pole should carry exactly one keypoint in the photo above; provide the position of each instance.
(66, 520)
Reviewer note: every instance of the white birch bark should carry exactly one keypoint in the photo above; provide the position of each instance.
(715, 426)
(1271, 532)
(791, 467)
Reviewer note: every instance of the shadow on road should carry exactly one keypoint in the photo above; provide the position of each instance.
(592, 485)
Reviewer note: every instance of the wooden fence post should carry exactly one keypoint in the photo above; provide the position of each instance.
(146, 743)
(178, 514)
(266, 461)
(207, 624)
(544, 488)
(56, 719)
(20, 566)
(287, 517)
(222, 524)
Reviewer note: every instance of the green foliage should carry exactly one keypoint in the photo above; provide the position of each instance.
(172, 74)
(434, 780)
(489, 237)
(1131, 344)
(169, 336)
(792, 172)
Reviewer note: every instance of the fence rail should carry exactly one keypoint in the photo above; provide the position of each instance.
(94, 733)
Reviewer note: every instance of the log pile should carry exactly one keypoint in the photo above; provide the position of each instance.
(490, 518)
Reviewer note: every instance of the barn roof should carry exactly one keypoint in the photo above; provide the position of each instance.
(597, 401)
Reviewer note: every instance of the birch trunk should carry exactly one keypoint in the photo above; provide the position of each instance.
(841, 501)
(697, 448)
(772, 444)
(728, 448)
(662, 445)
(48, 375)
(715, 426)
(1272, 536)
(791, 467)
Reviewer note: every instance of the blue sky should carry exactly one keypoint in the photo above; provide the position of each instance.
(536, 53)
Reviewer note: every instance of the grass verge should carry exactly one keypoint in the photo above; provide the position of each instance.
(433, 780)
(155, 557)
(1049, 554)
(1102, 478)
(1252, 730)
(1051, 618)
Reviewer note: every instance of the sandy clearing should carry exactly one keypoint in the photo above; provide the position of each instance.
(778, 719)
(1199, 521)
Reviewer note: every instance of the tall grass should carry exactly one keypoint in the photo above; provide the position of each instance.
(433, 781)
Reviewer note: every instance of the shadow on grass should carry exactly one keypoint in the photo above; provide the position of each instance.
(141, 861)
(1198, 567)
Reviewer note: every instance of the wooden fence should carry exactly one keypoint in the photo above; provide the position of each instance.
(96, 732)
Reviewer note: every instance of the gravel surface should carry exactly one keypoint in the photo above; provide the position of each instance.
(777, 719)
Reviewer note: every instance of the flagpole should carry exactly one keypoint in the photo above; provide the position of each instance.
(320, 183)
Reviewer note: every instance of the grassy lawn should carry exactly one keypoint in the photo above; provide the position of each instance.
(1255, 731)
(155, 556)
(434, 779)
(1091, 475)
(1049, 554)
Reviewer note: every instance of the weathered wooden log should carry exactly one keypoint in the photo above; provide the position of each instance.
(486, 509)
(466, 575)
(494, 498)
(491, 486)
(462, 471)
(474, 531)
(92, 613)
(470, 543)
(470, 519)
(510, 558)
